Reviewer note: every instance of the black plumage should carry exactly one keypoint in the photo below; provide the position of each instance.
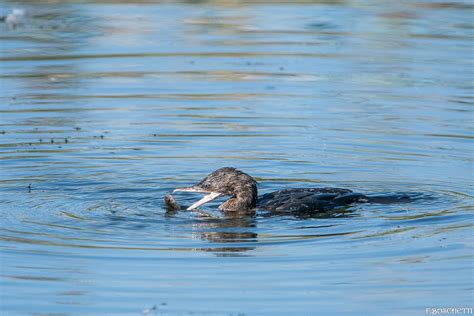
(242, 189)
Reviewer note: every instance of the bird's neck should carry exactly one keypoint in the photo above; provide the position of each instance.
(245, 199)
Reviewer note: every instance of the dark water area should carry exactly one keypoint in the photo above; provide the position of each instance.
(106, 107)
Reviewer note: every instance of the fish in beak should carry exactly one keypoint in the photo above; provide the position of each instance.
(209, 197)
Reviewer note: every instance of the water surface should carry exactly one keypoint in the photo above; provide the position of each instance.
(106, 107)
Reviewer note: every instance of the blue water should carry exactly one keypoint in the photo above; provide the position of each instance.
(107, 107)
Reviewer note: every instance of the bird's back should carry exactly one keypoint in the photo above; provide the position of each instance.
(308, 199)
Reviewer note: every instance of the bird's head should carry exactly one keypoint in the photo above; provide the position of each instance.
(226, 181)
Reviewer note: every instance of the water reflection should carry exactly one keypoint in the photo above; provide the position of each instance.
(237, 232)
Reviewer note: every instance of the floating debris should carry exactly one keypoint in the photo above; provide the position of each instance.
(15, 18)
(147, 311)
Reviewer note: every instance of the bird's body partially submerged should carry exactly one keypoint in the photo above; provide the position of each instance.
(308, 199)
(242, 190)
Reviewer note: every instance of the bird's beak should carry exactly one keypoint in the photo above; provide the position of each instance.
(211, 196)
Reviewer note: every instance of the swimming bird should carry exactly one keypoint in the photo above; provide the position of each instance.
(242, 189)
